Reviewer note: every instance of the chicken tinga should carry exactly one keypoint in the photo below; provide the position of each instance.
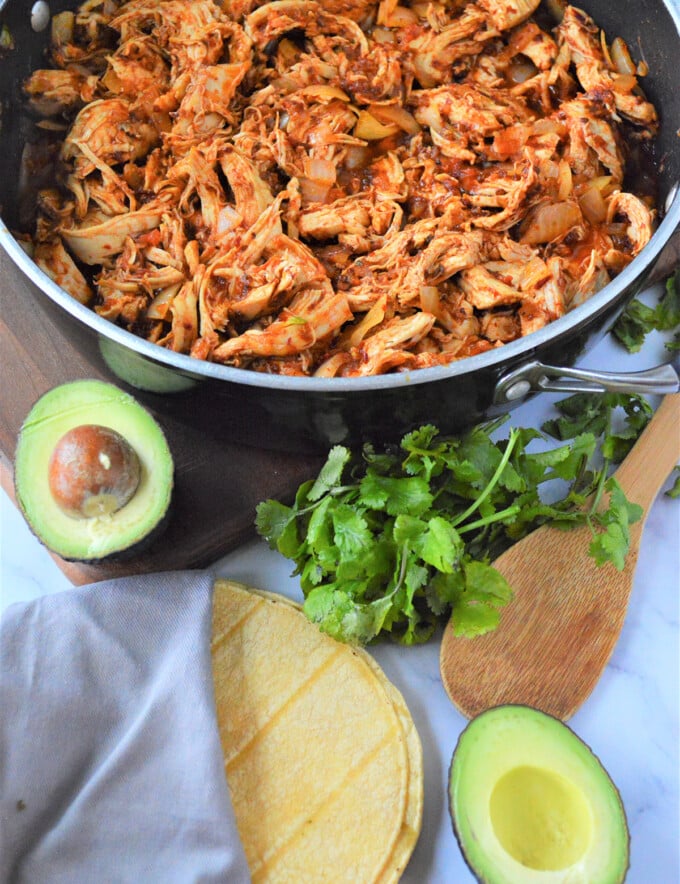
(341, 188)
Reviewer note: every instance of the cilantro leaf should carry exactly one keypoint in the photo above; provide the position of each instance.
(423, 456)
(276, 523)
(350, 530)
(598, 414)
(668, 309)
(610, 544)
(436, 541)
(580, 413)
(638, 319)
(477, 608)
(330, 473)
(337, 613)
(395, 495)
(442, 545)
(607, 545)
(634, 324)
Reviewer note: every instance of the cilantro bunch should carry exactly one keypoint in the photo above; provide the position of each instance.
(394, 541)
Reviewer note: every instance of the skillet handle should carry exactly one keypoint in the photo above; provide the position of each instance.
(535, 377)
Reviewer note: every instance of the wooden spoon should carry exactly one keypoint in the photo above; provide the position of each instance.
(558, 633)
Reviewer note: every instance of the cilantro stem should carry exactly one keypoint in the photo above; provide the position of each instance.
(512, 439)
(402, 572)
(332, 492)
(599, 491)
(489, 520)
(402, 569)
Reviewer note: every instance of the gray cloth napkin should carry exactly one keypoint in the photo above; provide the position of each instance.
(110, 760)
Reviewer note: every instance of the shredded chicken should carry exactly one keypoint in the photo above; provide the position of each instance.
(339, 188)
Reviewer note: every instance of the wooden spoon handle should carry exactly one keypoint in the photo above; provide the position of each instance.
(654, 455)
(558, 634)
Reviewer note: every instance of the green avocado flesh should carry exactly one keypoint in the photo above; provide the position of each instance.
(531, 803)
(92, 539)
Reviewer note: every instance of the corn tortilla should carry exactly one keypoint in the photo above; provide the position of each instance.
(411, 823)
(323, 761)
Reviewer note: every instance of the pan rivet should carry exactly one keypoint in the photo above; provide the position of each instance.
(40, 15)
(518, 390)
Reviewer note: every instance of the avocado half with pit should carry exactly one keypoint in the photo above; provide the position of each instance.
(531, 803)
(93, 472)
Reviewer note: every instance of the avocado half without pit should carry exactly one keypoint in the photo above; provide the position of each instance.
(531, 804)
(93, 472)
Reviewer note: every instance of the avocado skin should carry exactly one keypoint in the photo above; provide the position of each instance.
(81, 394)
(483, 876)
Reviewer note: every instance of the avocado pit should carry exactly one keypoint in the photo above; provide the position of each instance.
(93, 471)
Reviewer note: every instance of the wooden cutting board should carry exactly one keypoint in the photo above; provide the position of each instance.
(218, 482)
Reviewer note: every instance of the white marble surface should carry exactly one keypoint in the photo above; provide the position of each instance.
(630, 720)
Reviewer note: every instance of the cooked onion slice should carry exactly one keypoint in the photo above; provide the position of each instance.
(593, 205)
(621, 57)
(521, 71)
(160, 307)
(318, 180)
(324, 92)
(370, 129)
(371, 319)
(551, 221)
(429, 299)
(394, 115)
